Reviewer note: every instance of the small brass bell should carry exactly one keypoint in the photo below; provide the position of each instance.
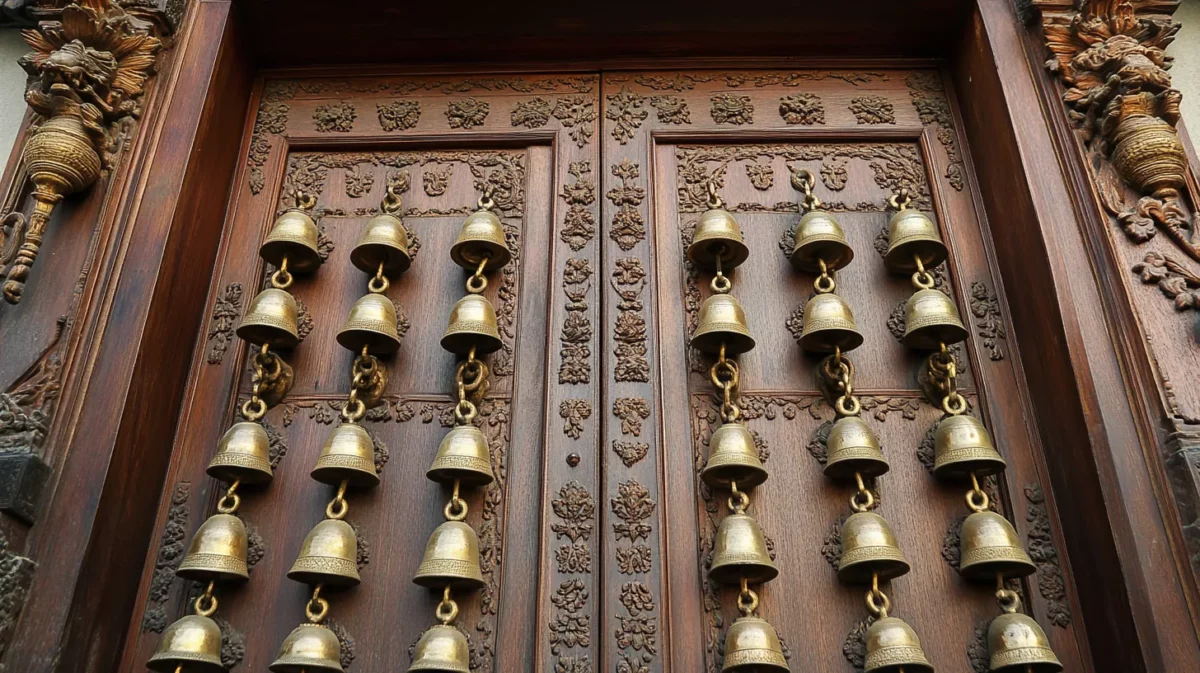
(893, 646)
(961, 445)
(371, 323)
(718, 235)
(868, 547)
(853, 447)
(740, 550)
(829, 325)
(309, 648)
(451, 558)
(752, 646)
(722, 321)
(328, 556)
(931, 319)
(989, 545)
(911, 235)
(442, 648)
(819, 238)
(217, 552)
(472, 325)
(271, 320)
(481, 236)
(244, 453)
(462, 455)
(385, 242)
(733, 457)
(193, 642)
(293, 236)
(348, 455)
(1017, 644)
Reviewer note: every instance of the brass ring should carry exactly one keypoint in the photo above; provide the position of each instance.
(866, 505)
(315, 616)
(305, 201)
(486, 202)
(875, 608)
(229, 509)
(447, 611)
(747, 601)
(923, 280)
(476, 284)
(982, 505)
(954, 404)
(378, 284)
(824, 284)
(738, 502)
(254, 409)
(337, 509)
(900, 200)
(281, 279)
(455, 510)
(465, 417)
(200, 602)
(360, 409)
(850, 408)
(724, 372)
(721, 284)
(730, 413)
(1009, 600)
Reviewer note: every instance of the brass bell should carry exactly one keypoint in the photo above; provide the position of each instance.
(819, 238)
(717, 235)
(309, 648)
(217, 552)
(472, 325)
(293, 236)
(853, 447)
(271, 320)
(892, 647)
(989, 545)
(451, 558)
(722, 321)
(385, 242)
(752, 646)
(740, 550)
(868, 547)
(243, 454)
(193, 642)
(481, 236)
(732, 457)
(961, 445)
(442, 648)
(931, 319)
(829, 325)
(348, 455)
(328, 556)
(463, 455)
(911, 235)
(1018, 644)
(371, 323)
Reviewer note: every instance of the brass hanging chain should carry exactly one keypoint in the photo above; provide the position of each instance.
(837, 376)
(726, 377)
(943, 374)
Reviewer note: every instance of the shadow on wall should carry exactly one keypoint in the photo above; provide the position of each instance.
(1186, 71)
(12, 89)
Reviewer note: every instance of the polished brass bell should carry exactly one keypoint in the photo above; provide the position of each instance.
(989, 545)
(294, 237)
(481, 236)
(328, 556)
(722, 321)
(385, 242)
(472, 325)
(371, 323)
(717, 235)
(243, 454)
(829, 325)
(912, 235)
(309, 648)
(740, 550)
(868, 547)
(348, 455)
(961, 445)
(752, 646)
(931, 319)
(217, 552)
(820, 238)
(733, 457)
(193, 642)
(1017, 644)
(893, 647)
(464, 456)
(852, 447)
(451, 558)
(271, 320)
(442, 648)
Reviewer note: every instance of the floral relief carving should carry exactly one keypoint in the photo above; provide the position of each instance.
(638, 631)
(358, 182)
(873, 110)
(802, 108)
(435, 179)
(929, 98)
(576, 509)
(272, 119)
(728, 108)
(467, 113)
(226, 312)
(989, 324)
(632, 411)
(576, 335)
(531, 114)
(671, 109)
(628, 225)
(1042, 551)
(762, 176)
(335, 117)
(626, 110)
(1173, 279)
(580, 664)
(633, 560)
(569, 625)
(171, 547)
(577, 113)
(633, 507)
(579, 224)
(630, 453)
(398, 115)
(574, 412)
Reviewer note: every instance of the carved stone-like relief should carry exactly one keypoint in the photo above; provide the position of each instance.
(632, 411)
(467, 113)
(873, 110)
(977, 648)
(629, 332)
(304, 320)
(349, 651)
(628, 225)
(574, 412)
(337, 117)
(628, 111)
(633, 559)
(576, 508)
(989, 324)
(929, 98)
(570, 625)
(802, 108)
(399, 115)
(1051, 584)
(762, 176)
(271, 119)
(170, 553)
(854, 647)
(1173, 279)
(233, 644)
(256, 546)
(531, 114)
(580, 664)
(831, 546)
(358, 182)
(728, 108)
(633, 507)
(637, 632)
(435, 179)
(671, 109)
(576, 353)
(226, 312)
(577, 113)
(630, 453)
(579, 225)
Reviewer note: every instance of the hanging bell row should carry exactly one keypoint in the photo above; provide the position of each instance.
(722, 323)
(732, 457)
(990, 546)
(271, 319)
(829, 325)
(752, 646)
(193, 643)
(218, 551)
(482, 235)
(961, 446)
(329, 556)
(1017, 644)
(472, 324)
(717, 236)
(462, 456)
(309, 648)
(911, 236)
(740, 551)
(820, 238)
(893, 646)
(451, 558)
(931, 319)
(371, 324)
(852, 448)
(384, 242)
(348, 455)
(442, 648)
(243, 454)
(869, 548)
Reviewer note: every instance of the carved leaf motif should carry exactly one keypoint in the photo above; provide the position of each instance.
(977, 648)
(226, 312)
(671, 109)
(335, 117)
(1174, 280)
(399, 115)
(632, 411)
(574, 412)
(1042, 551)
(576, 507)
(989, 324)
(579, 225)
(802, 108)
(347, 652)
(952, 541)
(573, 558)
(569, 626)
(580, 664)
(633, 560)
(628, 226)
(467, 113)
(854, 648)
(233, 644)
(627, 110)
(358, 182)
(577, 113)
(170, 553)
(532, 114)
(818, 445)
(633, 506)
(762, 176)
(831, 547)
(630, 453)
(873, 110)
(728, 108)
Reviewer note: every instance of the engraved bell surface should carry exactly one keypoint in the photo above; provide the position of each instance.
(271, 320)
(722, 321)
(962, 445)
(820, 238)
(829, 325)
(294, 236)
(462, 455)
(329, 555)
(869, 546)
(718, 235)
(481, 235)
(733, 457)
(853, 447)
(385, 241)
(244, 453)
(193, 642)
(472, 325)
(309, 648)
(451, 558)
(442, 648)
(740, 550)
(349, 455)
(990, 545)
(931, 319)
(753, 646)
(371, 323)
(1017, 644)
(912, 234)
(893, 647)
(217, 552)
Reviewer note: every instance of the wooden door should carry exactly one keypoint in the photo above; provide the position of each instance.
(596, 534)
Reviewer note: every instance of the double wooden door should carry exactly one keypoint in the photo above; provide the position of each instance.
(596, 534)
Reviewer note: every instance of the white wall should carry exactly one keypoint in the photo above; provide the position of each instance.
(12, 86)
(1186, 71)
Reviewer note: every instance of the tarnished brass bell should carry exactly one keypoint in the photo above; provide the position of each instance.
(740, 550)
(752, 646)
(717, 235)
(853, 447)
(931, 318)
(829, 325)
(1017, 644)
(385, 241)
(271, 320)
(451, 558)
(348, 454)
(462, 455)
(868, 547)
(328, 556)
(442, 648)
(217, 552)
(481, 236)
(371, 323)
(989, 545)
(193, 642)
(893, 646)
(243, 454)
(732, 457)
(961, 445)
(820, 238)
(309, 648)
(911, 235)
(472, 325)
(722, 321)
(293, 236)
